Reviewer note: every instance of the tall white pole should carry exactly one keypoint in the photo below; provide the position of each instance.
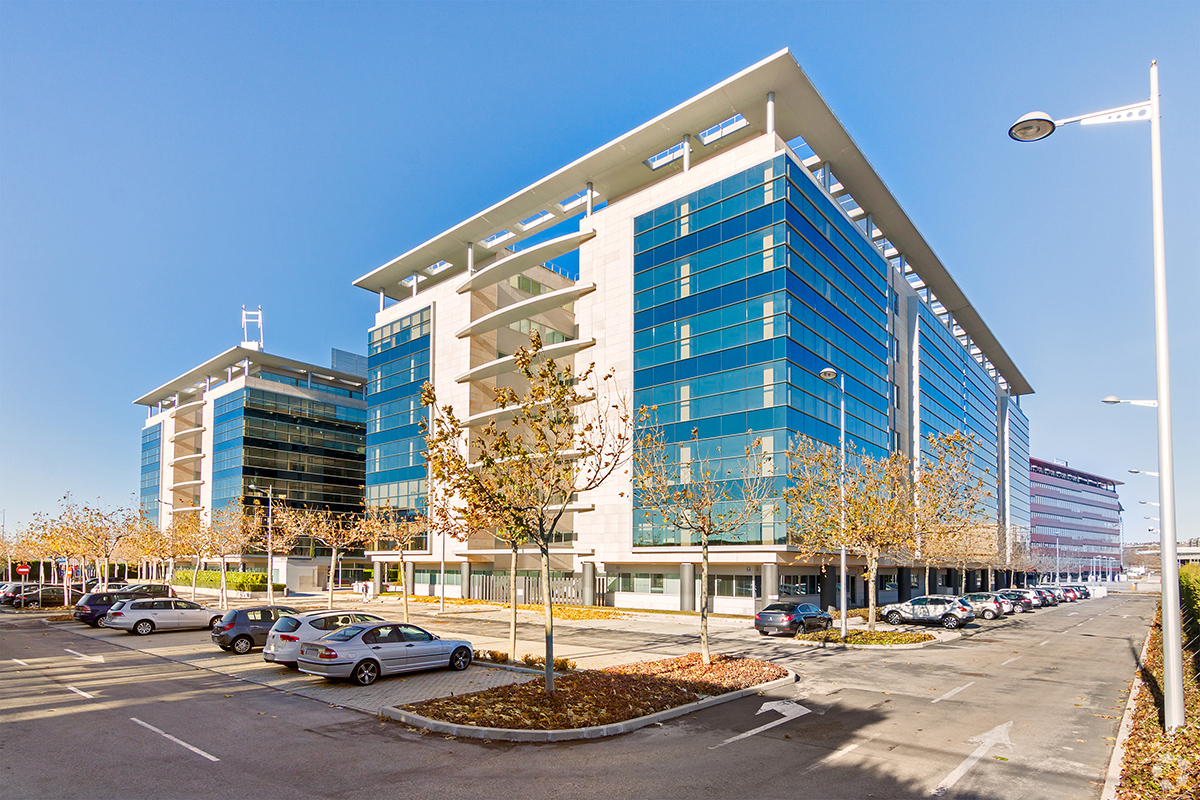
(270, 588)
(1173, 715)
(842, 496)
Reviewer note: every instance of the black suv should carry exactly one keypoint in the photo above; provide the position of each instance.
(93, 607)
(244, 629)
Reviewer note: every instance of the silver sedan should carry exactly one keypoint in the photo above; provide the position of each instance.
(364, 652)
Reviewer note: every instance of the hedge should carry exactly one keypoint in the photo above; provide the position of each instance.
(238, 581)
(1189, 597)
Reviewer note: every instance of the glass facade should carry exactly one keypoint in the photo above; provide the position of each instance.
(151, 471)
(957, 394)
(744, 291)
(308, 450)
(1075, 516)
(398, 363)
(1016, 436)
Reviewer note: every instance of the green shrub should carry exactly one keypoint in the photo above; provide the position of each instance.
(1189, 597)
(237, 581)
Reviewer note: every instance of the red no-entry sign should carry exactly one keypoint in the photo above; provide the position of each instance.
(22, 569)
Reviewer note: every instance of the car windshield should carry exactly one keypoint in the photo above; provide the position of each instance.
(779, 607)
(229, 617)
(286, 625)
(343, 634)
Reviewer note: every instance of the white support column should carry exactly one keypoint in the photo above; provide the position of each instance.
(687, 152)
(589, 199)
(470, 258)
(770, 112)
(381, 298)
(827, 175)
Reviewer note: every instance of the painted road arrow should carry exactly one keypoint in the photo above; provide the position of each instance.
(790, 710)
(997, 736)
(97, 659)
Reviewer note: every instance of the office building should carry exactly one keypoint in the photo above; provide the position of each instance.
(717, 258)
(1076, 519)
(246, 419)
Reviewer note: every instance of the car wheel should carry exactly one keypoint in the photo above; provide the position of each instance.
(365, 673)
(460, 659)
(241, 645)
(101, 623)
(143, 627)
(894, 618)
(989, 614)
(213, 623)
(950, 622)
(827, 625)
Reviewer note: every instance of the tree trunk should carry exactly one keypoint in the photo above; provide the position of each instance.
(512, 606)
(704, 655)
(332, 567)
(962, 580)
(547, 609)
(403, 585)
(872, 568)
(224, 597)
(195, 574)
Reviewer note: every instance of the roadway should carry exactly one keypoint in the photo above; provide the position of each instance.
(1025, 707)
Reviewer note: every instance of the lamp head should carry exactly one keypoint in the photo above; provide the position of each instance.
(1032, 127)
(1112, 399)
(828, 374)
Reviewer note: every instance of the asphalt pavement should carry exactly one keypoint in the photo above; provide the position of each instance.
(1024, 707)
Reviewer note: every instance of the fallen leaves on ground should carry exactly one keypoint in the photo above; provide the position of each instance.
(601, 697)
(867, 637)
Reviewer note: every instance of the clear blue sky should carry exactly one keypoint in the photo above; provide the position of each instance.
(162, 164)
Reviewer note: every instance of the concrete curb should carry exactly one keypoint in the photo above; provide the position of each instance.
(1113, 777)
(572, 734)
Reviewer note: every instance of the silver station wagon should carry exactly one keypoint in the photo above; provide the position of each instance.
(146, 616)
(363, 652)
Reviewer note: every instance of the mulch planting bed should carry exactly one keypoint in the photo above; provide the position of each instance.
(601, 697)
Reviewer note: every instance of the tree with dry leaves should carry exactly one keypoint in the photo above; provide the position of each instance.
(696, 495)
(872, 516)
(230, 531)
(402, 527)
(950, 512)
(566, 433)
(336, 531)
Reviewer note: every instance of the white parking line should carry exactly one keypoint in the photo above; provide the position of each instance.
(179, 742)
(1006, 663)
(81, 693)
(22, 663)
(1042, 643)
(953, 692)
(836, 754)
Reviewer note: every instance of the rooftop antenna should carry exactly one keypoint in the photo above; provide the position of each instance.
(252, 318)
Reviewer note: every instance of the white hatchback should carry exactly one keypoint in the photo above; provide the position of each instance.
(161, 614)
(286, 636)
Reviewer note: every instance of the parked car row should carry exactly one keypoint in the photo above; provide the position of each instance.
(954, 612)
(357, 645)
(49, 595)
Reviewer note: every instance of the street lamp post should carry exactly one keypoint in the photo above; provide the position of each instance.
(270, 544)
(1038, 125)
(828, 374)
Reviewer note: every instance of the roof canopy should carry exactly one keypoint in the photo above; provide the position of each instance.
(234, 357)
(618, 169)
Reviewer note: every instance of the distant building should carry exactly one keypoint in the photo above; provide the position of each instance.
(1075, 518)
(248, 418)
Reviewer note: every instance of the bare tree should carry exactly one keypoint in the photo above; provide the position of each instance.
(564, 435)
(694, 495)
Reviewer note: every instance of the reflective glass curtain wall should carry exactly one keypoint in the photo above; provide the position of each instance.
(744, 291)
(398, 360)
(151, 471)
(312, 452)
(956, 394)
